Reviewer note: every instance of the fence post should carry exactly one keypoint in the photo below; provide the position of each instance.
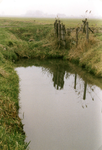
(76, 37)
(84, 24)
(62, 31)
(63, 34)
(59, 31)
(87, 32)
(56, 28)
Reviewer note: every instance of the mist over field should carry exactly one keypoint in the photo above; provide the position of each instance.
(51, 9)
(40, 14)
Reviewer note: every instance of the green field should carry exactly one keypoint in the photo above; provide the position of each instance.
(32, 21)
(35, 38)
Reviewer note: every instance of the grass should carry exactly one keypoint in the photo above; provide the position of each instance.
(11, 130)
(88, 55)
(34, 38)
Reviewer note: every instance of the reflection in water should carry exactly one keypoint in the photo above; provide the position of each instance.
(50, 99)
(85, 85)
(75, 81)
(58, 78)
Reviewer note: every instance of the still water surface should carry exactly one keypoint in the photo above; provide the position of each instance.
(61, 106)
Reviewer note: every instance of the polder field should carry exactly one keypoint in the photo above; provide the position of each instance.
(32, 38)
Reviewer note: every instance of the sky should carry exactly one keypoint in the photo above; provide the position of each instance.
(71, 8)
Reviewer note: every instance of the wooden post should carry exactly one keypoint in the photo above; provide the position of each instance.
(76, 37)
(59, 31)
(56, 28)
(84, 24)
(87, 32)
(63, 34)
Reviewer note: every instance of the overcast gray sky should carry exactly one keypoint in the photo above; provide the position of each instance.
(67, 7)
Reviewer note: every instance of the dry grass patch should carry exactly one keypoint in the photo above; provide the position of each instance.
(88, 54)
(83, 46)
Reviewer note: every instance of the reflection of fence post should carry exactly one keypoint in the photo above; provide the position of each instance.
(75, 81)
(76, 37)
(87, 32)
(59, 31)
(85, 85)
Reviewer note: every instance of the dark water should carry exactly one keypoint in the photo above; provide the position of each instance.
(61, 106)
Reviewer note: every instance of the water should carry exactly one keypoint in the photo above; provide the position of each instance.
(61, 106)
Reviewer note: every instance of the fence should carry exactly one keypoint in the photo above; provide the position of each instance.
(61, 32)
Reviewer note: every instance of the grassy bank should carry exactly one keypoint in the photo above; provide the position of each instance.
(88, 55)
(11, 131)
(34, 38)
